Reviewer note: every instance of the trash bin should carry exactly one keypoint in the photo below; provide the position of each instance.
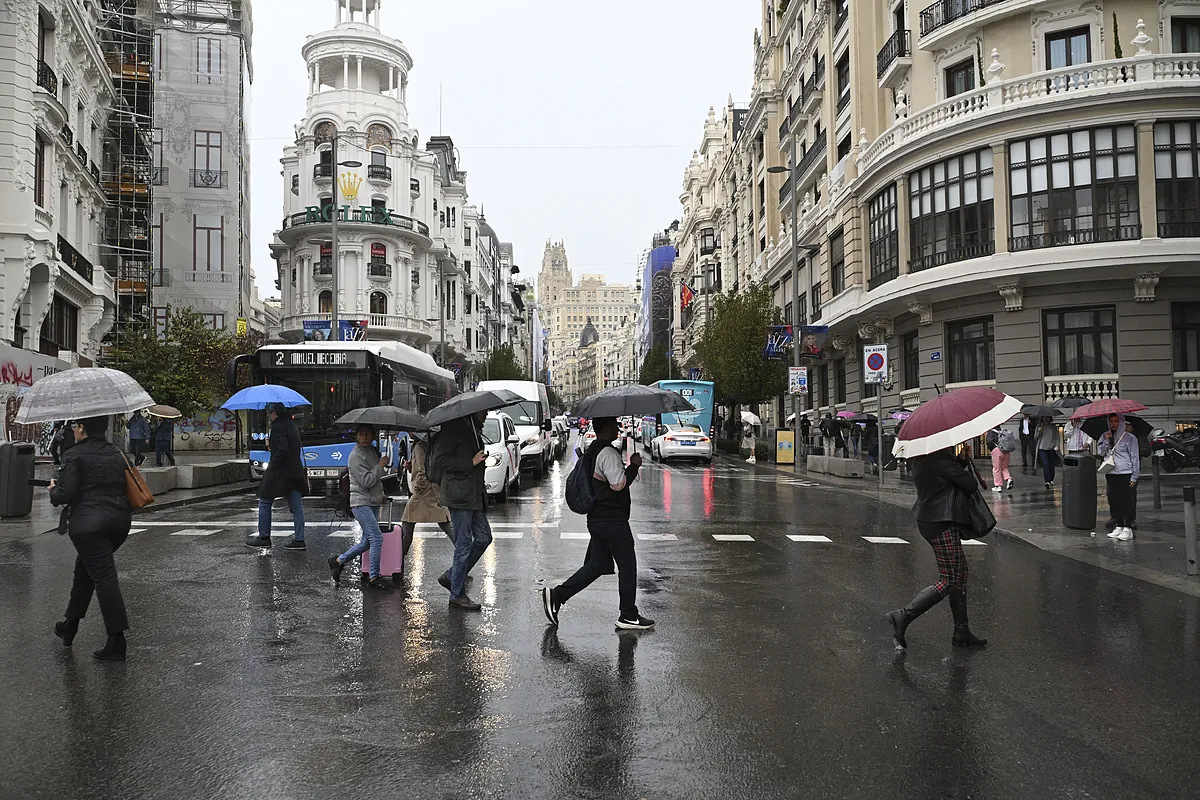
(1079, 492)
(16, 471)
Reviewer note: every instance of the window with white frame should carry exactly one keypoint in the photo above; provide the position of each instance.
(208, 60)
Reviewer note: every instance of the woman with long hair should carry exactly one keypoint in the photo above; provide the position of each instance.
(91, 484)
(945, 483)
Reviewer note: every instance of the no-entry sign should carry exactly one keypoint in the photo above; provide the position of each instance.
(875, 363)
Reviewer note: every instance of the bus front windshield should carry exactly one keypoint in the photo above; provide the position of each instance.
(332, 392)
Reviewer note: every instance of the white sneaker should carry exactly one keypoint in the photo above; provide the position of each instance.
(1115, 532)
(997, 489)
(1126, 535)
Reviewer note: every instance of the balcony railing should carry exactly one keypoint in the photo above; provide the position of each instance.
(1187, 386)
(323, 268)
(208, 179)
(68, 135)
(379, 269)
(1038, 241)
(360, 216)
(92, 168)
(160, 277)
(414, 186)
(46, 78)
(815, 85)
(81, 151)
(898, 46)
(943, 12)
(1096, 387)
(840, 15)
(843, 100)
(878, 279)
(1175, 230)
(159, 176)
(919, 263)
(379, 172)
(75, 260)
(322, 172)
(815, 152)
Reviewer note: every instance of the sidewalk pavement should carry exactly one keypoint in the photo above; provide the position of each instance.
(1033, 514)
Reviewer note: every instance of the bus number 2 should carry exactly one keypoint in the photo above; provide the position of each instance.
(279, 359)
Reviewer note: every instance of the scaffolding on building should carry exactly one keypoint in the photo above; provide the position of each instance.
(127, 41)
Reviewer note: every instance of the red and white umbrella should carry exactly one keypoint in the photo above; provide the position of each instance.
(1102, 408)
(952, 418)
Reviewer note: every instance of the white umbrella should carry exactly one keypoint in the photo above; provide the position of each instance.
(791, 419)
(80, 393)
(750, 418)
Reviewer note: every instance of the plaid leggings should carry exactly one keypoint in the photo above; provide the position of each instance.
(951, 560)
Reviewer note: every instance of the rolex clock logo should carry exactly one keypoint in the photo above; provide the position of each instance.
(349, 183)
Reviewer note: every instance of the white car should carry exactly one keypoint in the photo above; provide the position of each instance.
(502, 473)
(681, 441)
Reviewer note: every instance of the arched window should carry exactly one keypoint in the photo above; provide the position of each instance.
(379, 303)
(325, 302)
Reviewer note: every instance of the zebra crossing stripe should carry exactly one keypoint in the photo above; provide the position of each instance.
(885, 540)
(795, 537)
(658, 537)
(733, 537)
(566, 535)
(196, 532)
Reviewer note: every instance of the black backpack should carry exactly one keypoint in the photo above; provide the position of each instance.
(342, 509)
(433, 470)
(581, 495)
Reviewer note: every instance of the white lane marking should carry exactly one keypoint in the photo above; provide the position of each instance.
(807, 538)
(507, 534)
(658, 537)
(346, 534)
(976, 542)
(197, 532)
(436, 533)
(566, 535)
(733, 537)
(132, 531)
(885, 540)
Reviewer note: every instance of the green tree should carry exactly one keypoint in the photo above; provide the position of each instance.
(731, 349)
(555, 400)
(501, 365)
(657, 367)
(185, 367)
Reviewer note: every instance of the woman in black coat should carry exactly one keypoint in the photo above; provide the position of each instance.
(91, 484)
(945, 483)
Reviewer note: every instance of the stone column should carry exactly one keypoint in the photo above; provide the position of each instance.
(345, 72)
(391, 80)
(312, 77)
(1000, 193)
(358, 65)
(341, 294)
(903, 220)
(1147, 186)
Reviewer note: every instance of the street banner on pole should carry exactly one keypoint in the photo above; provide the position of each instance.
(875, 363)
(797, 380)
(812, 340)
(316, 330)
(779, 339)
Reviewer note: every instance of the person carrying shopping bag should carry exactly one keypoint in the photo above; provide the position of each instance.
(366, 496)
(1121, 468)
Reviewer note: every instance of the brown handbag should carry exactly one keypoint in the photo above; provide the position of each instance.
(136, 490)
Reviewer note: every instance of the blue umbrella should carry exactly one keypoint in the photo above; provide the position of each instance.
(257, 397)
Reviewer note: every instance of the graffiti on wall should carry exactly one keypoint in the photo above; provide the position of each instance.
(215, 431)
(19, 369)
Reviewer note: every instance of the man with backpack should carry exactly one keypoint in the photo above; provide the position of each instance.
(599, 487)
(458, 466)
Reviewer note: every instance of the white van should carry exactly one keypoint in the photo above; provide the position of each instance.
(532, 418)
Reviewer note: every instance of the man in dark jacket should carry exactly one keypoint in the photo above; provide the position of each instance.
(611, 538)
(164, 441)
(459, 456)
(285, 477)
(139, 434)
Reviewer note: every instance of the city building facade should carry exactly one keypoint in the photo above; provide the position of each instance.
(1003, 193)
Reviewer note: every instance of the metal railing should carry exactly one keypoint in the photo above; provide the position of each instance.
(878, 279)
(1038, 241)
(819, 145)
(943, 12)
(815, 83)
(322, 171)
(46, 78)
(208, 179)
(920, 263)
(898, 46)
(379, 269)
(92, 168)
(1175, 230)
(81, 151)
(359, 216)
(379, 172)
(67, 134)
(159, 176)
(75, 259)
(323, 267)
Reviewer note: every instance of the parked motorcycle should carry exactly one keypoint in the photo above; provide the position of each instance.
(1178, 450)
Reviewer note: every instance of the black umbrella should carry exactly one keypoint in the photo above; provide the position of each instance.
(863, 417)
(632, 400)
(1096, 427)
(387, 418)
(1072, 402)
(1037, 412)
(468, 403)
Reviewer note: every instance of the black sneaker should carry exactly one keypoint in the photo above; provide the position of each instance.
(296, 544)
(444, 581)
(639, 623)
(259, 541)
(465, 603)
(1008, 484)
(335, 569)
(550, 605)
(379, 583)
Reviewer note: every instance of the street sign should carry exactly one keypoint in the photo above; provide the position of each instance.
(797, 380)
(875, 363)
(936, 355)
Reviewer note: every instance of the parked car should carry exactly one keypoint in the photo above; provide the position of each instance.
(681, 441)
(561, 435)
(502, 472)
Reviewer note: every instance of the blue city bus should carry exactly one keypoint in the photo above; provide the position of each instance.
(337, 377)
(699, 393)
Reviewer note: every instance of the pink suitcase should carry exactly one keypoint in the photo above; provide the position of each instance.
(391, 561)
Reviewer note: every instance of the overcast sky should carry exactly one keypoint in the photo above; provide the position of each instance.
(574, 121)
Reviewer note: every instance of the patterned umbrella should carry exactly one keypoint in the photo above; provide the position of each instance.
(952, 418)
(79, 393)
(901, 414)
(1102, 408)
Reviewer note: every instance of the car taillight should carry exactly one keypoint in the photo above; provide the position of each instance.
(669, 438)
(704, 438)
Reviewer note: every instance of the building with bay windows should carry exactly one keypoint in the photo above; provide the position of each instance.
(1004, 193)
(415, 261)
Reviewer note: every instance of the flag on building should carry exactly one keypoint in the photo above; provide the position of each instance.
(686, 295)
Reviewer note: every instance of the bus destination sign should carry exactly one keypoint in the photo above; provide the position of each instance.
(313, 358)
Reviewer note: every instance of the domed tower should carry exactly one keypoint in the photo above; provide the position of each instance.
(354, 144)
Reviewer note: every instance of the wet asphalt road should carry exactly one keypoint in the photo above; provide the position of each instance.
(771, 673)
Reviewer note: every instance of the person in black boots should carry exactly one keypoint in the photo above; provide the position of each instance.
(285, 477)
(91, 484)
(944, 483)
(608, 524)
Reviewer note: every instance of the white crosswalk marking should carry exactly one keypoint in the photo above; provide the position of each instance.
(132, 531)
(566, 535)
(658, 537)
(976, 542)
(733, 537)
(196, 532)
(796, 537)
(507, 534)
(885, 540)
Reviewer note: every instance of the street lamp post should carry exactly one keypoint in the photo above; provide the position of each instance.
(333, 232)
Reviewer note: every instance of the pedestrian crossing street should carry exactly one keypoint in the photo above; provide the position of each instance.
(501, 531)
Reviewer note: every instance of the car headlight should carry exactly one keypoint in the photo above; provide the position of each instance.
(532, 440)
(493, 460)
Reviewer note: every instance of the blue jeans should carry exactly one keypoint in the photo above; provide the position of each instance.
(472, 536)
(372, 538)
(295, 504)
(1047, 459)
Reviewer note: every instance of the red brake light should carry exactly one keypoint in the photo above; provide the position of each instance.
(704, 438)
(669, 438)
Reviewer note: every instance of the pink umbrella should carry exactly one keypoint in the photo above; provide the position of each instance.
(952, 418)
(846, 414)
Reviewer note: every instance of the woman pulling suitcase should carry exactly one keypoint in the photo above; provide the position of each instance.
(366, 496)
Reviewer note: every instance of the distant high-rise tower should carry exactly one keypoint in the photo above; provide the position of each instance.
(555, 276)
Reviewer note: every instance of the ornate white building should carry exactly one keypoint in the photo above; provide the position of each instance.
(407, 238)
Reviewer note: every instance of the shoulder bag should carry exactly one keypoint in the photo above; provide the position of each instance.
(1110, 461)
(982, 518)
(136, 490)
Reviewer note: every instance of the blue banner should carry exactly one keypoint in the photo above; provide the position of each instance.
(779, 339)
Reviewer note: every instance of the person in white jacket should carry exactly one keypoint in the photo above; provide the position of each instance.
(366, 496)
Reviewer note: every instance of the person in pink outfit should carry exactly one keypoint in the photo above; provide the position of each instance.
(1003, 442)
